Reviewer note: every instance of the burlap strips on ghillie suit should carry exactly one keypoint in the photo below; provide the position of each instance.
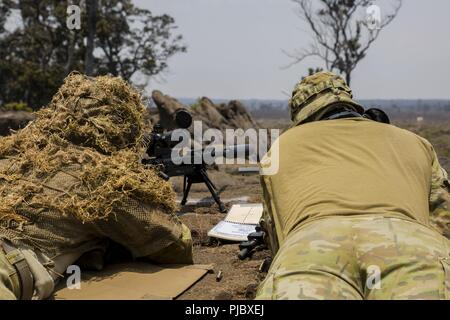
(78, 164)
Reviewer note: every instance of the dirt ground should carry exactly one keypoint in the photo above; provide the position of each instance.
(239, 278)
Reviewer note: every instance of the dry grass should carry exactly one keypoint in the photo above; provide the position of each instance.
(438, 133)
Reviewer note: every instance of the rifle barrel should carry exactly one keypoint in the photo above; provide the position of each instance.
(227, 151)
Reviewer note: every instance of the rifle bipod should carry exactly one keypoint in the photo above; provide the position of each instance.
(201, 176)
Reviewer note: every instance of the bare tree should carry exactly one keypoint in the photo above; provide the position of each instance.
(342, 32)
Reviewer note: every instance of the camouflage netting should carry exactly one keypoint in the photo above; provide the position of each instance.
(95, 125)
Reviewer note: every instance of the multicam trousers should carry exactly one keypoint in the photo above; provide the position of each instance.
(9, 279)
(360, 258)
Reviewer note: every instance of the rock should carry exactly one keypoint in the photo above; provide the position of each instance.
(14, 120)
(236, 115)
(223, 295)
(209, 114)
(250, 291)
(167, 107)
(225, 116)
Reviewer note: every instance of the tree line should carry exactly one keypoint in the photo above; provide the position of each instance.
(38, 49)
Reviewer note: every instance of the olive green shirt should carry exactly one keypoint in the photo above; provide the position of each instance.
(349, 167)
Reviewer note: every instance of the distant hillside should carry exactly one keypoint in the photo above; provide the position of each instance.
(397, 108)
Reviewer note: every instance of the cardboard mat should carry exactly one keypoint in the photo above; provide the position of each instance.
(135, 281)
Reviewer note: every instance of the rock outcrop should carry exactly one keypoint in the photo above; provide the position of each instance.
(13, 120)
(231, 115)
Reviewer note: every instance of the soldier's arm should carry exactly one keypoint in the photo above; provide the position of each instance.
(180, 251)
(267, 221)
(148, 232)
(439, 198)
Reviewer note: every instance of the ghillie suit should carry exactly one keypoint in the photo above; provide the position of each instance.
(357, 209)
(71, 182)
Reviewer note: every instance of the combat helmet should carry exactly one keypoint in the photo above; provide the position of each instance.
(315, 93)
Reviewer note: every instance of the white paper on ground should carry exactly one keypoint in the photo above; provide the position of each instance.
(231, 231)
(245, 213)
(240, 221)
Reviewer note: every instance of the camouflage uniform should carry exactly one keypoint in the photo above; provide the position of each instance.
(357, 209)
(9, 280)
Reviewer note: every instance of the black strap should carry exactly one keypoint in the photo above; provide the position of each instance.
(447, 185)
(342, 115)
(16, 258)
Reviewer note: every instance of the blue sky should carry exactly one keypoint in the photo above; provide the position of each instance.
(235, 51)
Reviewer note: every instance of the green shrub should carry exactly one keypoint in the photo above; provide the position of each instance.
(16, 106)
